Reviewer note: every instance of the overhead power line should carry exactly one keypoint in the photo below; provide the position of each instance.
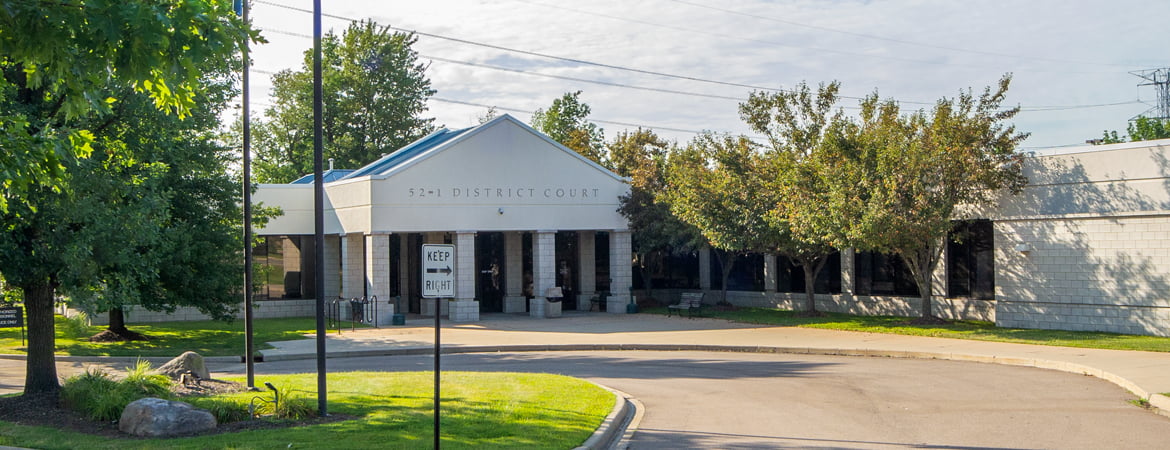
(558, 58)
(675, 91)
(895, 40)
(759, 41)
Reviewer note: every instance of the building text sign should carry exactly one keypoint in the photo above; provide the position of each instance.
(438, 270)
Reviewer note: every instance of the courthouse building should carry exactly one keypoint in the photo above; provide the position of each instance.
(525, 214)
(1086, 246)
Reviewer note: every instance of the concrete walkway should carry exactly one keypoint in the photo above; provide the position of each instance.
(1146, 374)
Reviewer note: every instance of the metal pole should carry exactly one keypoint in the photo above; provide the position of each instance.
(437, 373)
(249, 365)
(318, 212)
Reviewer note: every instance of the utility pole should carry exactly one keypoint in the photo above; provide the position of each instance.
(1160, 80)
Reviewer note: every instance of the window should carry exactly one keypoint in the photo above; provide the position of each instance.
(971, 261)
(284, 267)
(883, 274)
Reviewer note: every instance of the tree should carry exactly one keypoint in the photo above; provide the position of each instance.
(374, 93)
(1140, 129)
(61, 228)
(915, 171)
(801, 128)
(151, 46)
(641, 156)
(714, 185)
(566, 122)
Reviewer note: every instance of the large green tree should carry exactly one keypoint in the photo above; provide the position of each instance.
(801, 127)
(567, 121)
(67, 52)
(67, 66)
(374, 94)
(916, 171)
(641, 156)
(715, 185)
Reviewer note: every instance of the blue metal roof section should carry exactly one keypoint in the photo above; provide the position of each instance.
(330, 175)
(388, 162)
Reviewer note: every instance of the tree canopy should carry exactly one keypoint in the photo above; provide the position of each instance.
(566, 121)
(68, 52)
(915, 171)
(115, 73)
(802, 127)
(641, 155)
(1140, 129)
(374, 94)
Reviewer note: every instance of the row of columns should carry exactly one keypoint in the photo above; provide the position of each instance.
(365, 266)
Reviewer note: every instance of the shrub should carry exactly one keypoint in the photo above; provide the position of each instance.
(100, 397)
(292, 406)
(224, 410)
(76, 326)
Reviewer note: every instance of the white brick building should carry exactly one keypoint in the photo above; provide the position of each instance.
(525, 213)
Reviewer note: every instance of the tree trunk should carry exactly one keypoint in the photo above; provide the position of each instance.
(118, 321)
(812, 267)
(41, 365)
(727, 261)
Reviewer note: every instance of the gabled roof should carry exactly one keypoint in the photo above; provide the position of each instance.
(439, 140)
(403, 154)
(328, 176)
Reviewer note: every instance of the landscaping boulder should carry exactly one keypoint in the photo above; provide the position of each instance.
(155, 417)
(186, 364)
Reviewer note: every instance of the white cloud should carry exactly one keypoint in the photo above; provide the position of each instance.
(1061, 53)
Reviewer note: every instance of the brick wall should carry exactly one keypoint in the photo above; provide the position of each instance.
(1090, 274)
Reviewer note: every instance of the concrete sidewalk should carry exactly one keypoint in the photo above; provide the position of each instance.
(1146, 374)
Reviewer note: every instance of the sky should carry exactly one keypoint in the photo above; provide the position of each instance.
(681, 67)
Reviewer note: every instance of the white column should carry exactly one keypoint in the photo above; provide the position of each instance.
(378, 275)
(465, 265)
(514, 301)
(620, 271)
(586, 267)
(353, 272)
(705, 268)
(544, 271)
(938, 280)
(770, 272)
(848, 265)
(332, 267)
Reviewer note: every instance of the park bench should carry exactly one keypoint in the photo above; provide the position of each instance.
(691, 302)
(597, 302)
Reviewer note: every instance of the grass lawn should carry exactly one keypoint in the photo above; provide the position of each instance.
(976, 330)
(394, 410)
(206, 337)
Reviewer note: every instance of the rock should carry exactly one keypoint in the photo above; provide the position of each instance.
(186, 364)
(155, 417)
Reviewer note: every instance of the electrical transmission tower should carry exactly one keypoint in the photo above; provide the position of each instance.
(1160, 80)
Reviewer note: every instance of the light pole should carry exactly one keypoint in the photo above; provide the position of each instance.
(250, 367)
(318, 210)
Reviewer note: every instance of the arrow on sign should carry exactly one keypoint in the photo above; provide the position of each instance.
(446, 270)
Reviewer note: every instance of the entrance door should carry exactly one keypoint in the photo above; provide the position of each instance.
(489, 268)
(414, 272)
(567, 268)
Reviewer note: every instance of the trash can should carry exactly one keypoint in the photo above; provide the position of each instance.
(398, 319)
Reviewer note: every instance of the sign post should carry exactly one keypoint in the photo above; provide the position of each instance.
(438, 281)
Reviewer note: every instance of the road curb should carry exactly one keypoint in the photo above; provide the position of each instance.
(1159, 404)
(614, 425)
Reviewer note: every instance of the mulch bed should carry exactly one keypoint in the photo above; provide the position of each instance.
(45, 410)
